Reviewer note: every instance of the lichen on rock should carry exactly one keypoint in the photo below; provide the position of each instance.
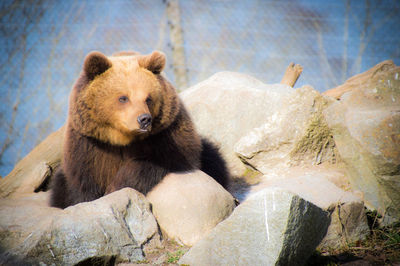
(296, 133)
(317, 144)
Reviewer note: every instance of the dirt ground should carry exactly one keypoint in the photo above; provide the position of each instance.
(382, 247)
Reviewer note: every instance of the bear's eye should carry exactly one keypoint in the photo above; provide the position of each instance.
(149, 100)
(123, 99)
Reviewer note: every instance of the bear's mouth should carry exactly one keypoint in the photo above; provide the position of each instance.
(143, 130)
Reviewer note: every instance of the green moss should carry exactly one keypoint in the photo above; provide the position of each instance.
(251, 174)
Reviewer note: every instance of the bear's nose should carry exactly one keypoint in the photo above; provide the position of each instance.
(144, 121)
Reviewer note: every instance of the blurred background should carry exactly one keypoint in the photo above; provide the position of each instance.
(43, 44)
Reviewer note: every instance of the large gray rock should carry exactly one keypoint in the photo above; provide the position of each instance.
(227, 106)
(366, 129)
(296, 133)
(272, 227)
(188, 205)
(117, 226)
(348, 219)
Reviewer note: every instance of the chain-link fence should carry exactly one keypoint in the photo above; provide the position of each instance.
(43, 43)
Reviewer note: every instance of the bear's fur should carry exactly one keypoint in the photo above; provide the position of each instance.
(127, 127)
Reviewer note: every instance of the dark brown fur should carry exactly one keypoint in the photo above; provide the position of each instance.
(99, 157)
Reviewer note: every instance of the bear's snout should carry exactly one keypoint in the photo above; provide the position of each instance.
(144, 121)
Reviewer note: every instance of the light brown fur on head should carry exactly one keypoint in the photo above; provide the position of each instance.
(95, 107)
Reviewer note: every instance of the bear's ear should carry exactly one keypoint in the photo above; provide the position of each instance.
(95, 64)
(154, 62)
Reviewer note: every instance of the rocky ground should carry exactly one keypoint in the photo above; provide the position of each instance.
(308, 168)
(382, 247)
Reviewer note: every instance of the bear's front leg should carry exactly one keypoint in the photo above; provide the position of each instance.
(140, 175)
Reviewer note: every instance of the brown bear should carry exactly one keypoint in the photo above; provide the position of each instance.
(127, 127)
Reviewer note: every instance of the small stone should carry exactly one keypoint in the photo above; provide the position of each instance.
(188, 205)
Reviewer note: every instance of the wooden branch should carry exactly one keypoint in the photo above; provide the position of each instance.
(357, 80)
(292, 73)
(30, 173)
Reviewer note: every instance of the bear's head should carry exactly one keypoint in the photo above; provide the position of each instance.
(123, 98)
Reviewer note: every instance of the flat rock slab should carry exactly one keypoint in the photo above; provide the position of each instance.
(272, 227)
(313, 184)
(114, 227)
(188, 205)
